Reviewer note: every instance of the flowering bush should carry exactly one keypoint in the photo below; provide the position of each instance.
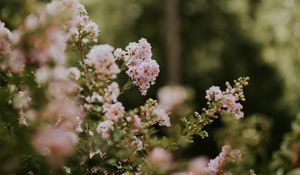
(71, 112)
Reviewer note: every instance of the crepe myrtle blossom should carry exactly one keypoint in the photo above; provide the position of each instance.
(95, 97)
(74, 73)
(50, 48)
(4, 40)
(119, 53)
(39, 48)
(79, 26)
(114, 111)
(161, 158)
(65, 116)
(214, 93)
(101, 58)
(137, 143)
(228, 100)
(82, 27)
(104, 127)
(172, 96)
(137, 121)
(163, 117)
(55, 143)
(201, 165)
(227, 154)
(112, 92)
(198, 166)
(141, 68)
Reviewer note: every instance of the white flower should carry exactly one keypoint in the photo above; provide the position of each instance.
(74, 72)
(161, 158)
(214, 93)
(163, 117)
(104, 127)
(112, 92)
(101, 58)
(114, 111)
(171, 97)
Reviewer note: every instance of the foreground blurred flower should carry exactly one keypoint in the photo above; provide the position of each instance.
(198, 166)
(4, 40)
(161, 158)
(55, 143)
(171, 97)
(163, 117)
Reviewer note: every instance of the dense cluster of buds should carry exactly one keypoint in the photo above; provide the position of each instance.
(229, 98)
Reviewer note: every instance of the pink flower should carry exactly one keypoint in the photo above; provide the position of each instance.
(171, 97)
(104, 127)
(101, 58)
(198, 166)
(216, 164)
(79, 26)
(137, 143)
(163, 117)
(230, 103)
(74, 73)
(112, 92)
(228, 100)
(214, 93)
(4, 39)
(137, 121)
(161, 158)
(55, 143)
(114, 111)
(119, 53)
(236, 109)
(62, 112)
(141, 68)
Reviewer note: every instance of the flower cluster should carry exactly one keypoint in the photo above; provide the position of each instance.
(156, 113)
(229, 98)
(201, 166)
(80, 27)
(101, 58)
(142, 69)
(171, 97)
(55, 143)
(4, 40)
(161, 158)
(30, 45)
(39, 43)
(62, 115)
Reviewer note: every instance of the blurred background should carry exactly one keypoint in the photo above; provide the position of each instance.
(200, 43)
